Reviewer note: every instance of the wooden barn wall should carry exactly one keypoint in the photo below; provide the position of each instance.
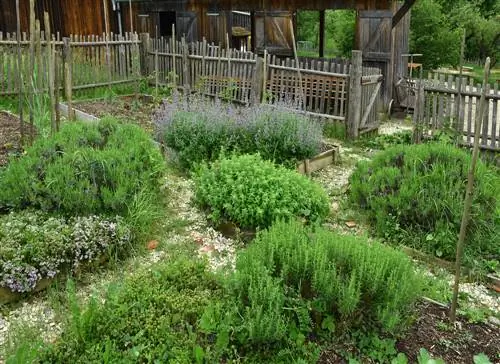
(291, 5)
(401, 46)
(66, 16)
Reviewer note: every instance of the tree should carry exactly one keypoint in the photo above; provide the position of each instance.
(433, 36)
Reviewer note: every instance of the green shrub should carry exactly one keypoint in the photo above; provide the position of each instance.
(296, 283)
(415, 194)
(199, 130)
(83, 169)
(150, 317)
(253, 193)
(36, 246)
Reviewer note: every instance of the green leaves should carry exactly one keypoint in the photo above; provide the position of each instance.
(253, 193)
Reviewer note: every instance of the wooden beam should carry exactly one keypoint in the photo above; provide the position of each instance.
(321, 33)
(402, 12)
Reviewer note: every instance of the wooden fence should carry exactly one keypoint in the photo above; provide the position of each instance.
(338, 90)
(320, 88)
(448, 102)
(86, 57)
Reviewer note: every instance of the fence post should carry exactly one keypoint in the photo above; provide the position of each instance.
(68, 78)
(144, 53)
(185, 66)
(354, 109)
(258, 75)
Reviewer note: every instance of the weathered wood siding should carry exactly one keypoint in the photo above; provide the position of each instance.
(66, 16)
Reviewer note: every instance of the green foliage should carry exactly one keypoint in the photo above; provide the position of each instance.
(149, 317)
(253, 193)
(414, 195)
(432, 35)
(36, 246)
(199, 130)
(296, 283)
(425, 358)
(83, 169)
(385, 141)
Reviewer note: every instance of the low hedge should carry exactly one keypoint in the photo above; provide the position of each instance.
(415, 195)
(253, 193)
(83, 169)
(295, 286)
(36, 246)
(199, 130)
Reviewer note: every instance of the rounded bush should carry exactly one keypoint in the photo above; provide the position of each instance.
(83, 169)
(253, 193)
(415, 195)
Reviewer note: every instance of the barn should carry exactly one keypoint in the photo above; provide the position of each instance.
(382, 27)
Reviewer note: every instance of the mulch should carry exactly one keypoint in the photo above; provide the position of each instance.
(455, 344)
(125, 108)
(10, 136)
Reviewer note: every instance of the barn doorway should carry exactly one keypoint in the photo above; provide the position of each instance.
(167, 19)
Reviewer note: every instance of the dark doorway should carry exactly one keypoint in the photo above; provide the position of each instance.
(167, 19)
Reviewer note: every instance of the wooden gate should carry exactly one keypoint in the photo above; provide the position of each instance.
(371, 85)
(375, 41)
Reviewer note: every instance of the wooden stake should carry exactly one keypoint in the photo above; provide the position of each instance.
(458, 122)
(56, 87)
(68, 76)
(50, 68)
(32, 86)
(301, 89)
(108, 54)
(469, 191)
(19, 70)
(156, 62)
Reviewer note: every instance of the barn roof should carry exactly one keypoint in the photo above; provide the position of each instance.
(274, 4)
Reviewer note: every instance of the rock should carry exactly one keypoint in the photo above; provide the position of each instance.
(335, 206)
(351, 224)
(152, 245)
(494, 321)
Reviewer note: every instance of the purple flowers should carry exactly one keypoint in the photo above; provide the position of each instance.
(200, 129)
(35, 246)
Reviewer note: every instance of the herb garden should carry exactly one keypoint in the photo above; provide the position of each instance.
(142, 224)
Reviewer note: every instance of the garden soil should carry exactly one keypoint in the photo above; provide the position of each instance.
(10, 136)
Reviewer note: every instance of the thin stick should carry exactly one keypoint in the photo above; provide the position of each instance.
(156, 61)
(302, 93)
(469, 191)
(131, 17)
(19, 74)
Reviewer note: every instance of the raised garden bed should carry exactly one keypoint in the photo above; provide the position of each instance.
(10, 137)
(125, 108)
(322, 160)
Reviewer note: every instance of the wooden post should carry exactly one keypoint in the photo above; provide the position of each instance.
(19, 71)
(299, 74)
(32, 85)
(185, 66)
(257, 91)
(458, 125)
(264, 78)
(174, 57)
(108, 54)
(51, 70)
(144, 50)
(38, 51)
(321, 33)
(418, 116)
(68, 76)
(354, 109)
(469, 191)
(57, 82)
(156, 62)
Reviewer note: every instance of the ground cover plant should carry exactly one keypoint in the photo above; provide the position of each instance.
(38, 246)
(414, 195)
(84, 169)
(199, 129)
(253, 193)
(295, 286)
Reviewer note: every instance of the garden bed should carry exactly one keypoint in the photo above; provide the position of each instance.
(320, 161)
(125, 108)
(10, 137)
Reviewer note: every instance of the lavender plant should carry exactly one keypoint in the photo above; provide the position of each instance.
(37, 246)
(197, 130)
